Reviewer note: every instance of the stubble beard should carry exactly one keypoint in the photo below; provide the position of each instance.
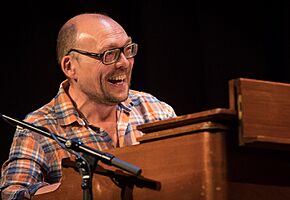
(107, 98)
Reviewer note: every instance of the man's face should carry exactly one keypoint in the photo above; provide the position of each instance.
(105, 84)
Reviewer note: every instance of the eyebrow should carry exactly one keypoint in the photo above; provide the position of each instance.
(129, 39)
(112, 46)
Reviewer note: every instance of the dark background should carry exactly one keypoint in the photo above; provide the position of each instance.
(188, 50)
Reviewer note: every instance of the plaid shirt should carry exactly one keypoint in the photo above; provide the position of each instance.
(35, 160)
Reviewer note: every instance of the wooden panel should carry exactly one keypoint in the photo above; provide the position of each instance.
(188, 124)
(263, 109)
(255, 173)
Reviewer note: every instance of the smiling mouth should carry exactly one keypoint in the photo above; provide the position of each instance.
(117, 79)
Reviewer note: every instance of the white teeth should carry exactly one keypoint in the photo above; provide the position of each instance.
(118, 78)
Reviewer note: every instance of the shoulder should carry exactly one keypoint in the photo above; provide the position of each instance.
(140, 97)
(42, 116)
(148, 104)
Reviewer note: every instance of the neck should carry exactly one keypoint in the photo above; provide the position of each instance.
(94, 112)
(97, 113)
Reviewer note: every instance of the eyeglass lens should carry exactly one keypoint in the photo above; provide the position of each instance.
(113, 55)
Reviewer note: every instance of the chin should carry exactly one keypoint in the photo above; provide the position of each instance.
(115, 99)
(123, 98)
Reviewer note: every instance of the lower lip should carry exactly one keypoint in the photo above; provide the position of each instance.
(119, 85)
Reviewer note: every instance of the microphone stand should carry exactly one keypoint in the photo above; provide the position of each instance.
(86, 162)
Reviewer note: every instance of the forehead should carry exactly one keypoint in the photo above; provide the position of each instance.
(101, 33)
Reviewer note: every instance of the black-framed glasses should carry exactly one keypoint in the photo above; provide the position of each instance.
(112, 55)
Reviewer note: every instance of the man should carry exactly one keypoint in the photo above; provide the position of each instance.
(95, 104)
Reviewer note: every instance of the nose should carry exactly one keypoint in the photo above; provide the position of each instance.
(123, 61)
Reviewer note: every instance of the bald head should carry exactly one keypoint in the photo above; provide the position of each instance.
(89, 27)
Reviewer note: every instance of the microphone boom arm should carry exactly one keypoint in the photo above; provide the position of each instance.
(104, 157)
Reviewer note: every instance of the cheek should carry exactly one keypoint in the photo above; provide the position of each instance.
(95, 77)
(90, 71)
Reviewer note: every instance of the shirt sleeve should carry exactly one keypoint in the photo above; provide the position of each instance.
(22, 174)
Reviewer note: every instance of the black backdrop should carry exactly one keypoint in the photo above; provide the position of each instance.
(188, 50)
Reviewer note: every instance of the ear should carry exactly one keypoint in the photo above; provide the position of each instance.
(68, 68)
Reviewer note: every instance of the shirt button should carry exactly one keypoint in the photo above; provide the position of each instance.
(81, 122)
